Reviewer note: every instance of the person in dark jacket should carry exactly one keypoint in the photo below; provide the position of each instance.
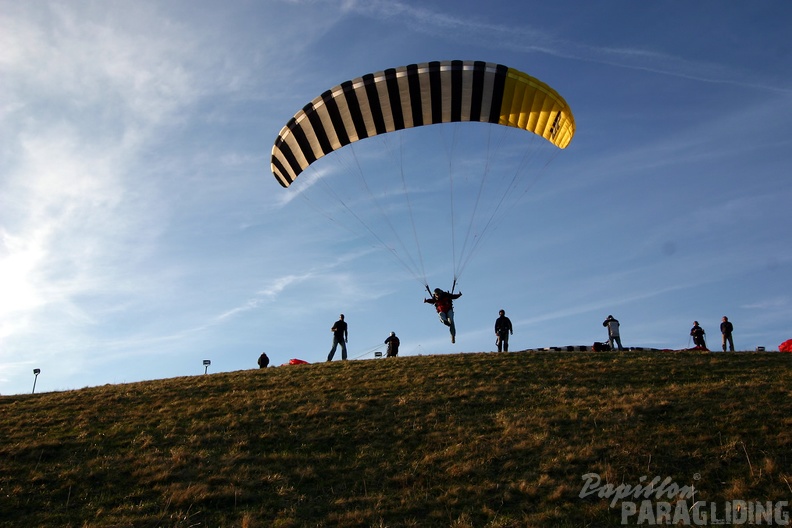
(263, 360)
(444, 304)
(726, 329)
(393, 345)
(698, 334)
(503, 327)
(340, 337)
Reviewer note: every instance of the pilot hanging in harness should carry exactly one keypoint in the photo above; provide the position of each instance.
(444, 304)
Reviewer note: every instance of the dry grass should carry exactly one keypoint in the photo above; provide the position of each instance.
(469, 440)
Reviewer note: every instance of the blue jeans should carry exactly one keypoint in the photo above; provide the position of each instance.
(336, 342)
(617, 339)
(447, 318)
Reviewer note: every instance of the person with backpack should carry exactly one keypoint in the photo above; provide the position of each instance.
(393, 345)
(612, 324)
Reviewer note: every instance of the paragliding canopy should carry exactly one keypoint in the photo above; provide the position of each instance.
(786, 346)
(392, 108)
(417, 95)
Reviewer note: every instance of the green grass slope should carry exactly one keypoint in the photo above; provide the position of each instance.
(468, 440)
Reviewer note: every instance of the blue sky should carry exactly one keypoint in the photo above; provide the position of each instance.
(141, 230)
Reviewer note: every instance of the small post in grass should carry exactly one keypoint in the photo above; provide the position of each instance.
(36, 372)
(206, 363)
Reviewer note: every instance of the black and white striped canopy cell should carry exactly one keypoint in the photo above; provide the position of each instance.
(417, 95)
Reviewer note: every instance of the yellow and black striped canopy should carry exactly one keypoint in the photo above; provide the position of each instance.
(417, 95)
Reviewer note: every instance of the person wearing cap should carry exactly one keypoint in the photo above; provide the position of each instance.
(444, 304)
(393, 345)
(340, 337)
(613, 331)
(503, 327)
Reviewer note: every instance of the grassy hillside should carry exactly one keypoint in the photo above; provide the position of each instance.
(468, 440)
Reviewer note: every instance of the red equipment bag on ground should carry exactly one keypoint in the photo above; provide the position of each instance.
(297, 362)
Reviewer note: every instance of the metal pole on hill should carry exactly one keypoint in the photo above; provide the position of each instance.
(206, 363)
(36, 372)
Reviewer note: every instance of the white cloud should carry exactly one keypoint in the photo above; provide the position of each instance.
(84, 91)
(774, 303)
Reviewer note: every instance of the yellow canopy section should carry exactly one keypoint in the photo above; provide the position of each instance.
(418, 95)
(530, 104)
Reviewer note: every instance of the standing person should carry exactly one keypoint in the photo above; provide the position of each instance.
(503, 328)
(263, 360)
(726, 331)
(340, 337)
(393, 345)
(698, 334)
(444, 304)
(612, 325)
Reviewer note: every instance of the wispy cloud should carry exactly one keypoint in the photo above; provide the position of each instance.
(528, 39)
(769, 304)
(268, 294)
(84, 92)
